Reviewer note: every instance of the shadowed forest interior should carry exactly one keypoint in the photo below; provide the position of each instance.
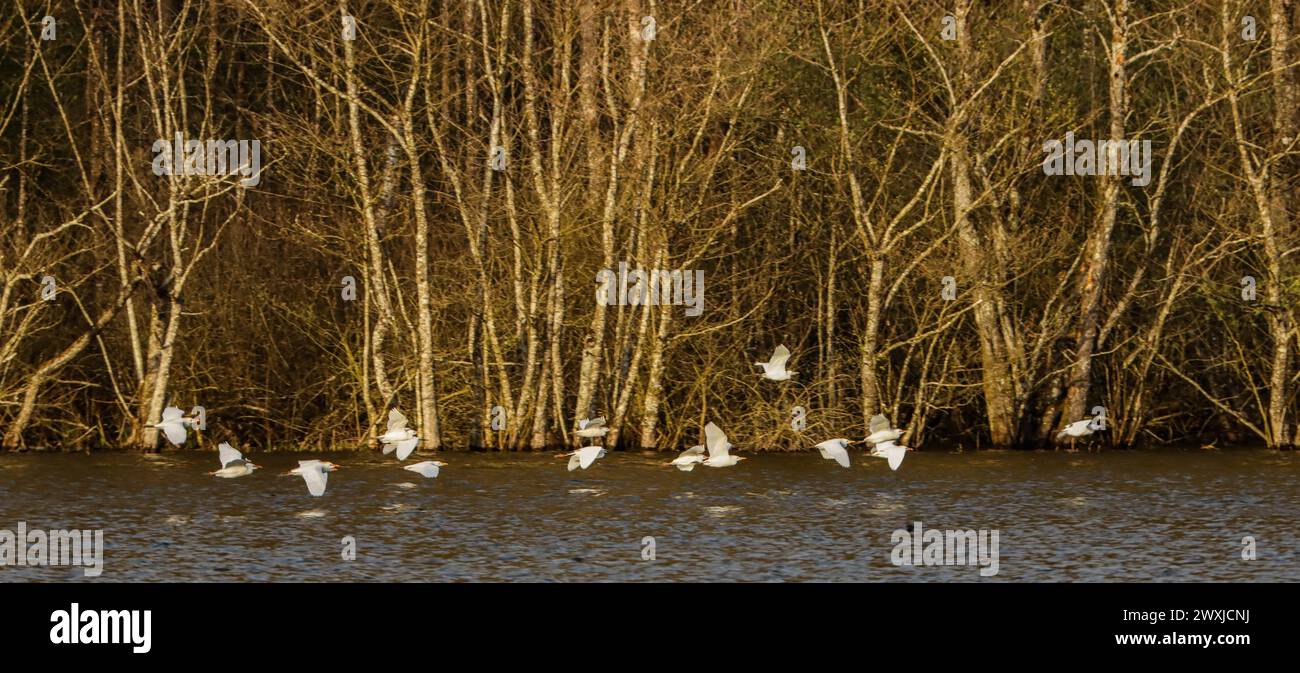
(441, 185)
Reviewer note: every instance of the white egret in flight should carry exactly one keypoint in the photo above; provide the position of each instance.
(427, 468)
(719, 447)
(398, 437)
(233, 463)
(173, 425)
(315, 473)
(591, 428)
(1079, 429)
(836, 450)
(891, 452)
(688, 458)
(584, 457)
(882, 430)
(774, 369)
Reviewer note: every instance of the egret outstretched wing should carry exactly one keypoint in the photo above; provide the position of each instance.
(427, 469)
(716, 440)
(396, 421)
(779, 356)
(891, 452)
(404, 448)
(315, 475)
(588, 455)
(879, 424)
(227, 454)
(175, 432)
(688, 458)
(833, 449)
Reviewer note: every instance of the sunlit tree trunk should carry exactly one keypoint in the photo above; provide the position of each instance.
(1099, 237)
(1271, 205)
(976, 255)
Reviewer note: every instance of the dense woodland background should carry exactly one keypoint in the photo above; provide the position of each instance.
(476, 287)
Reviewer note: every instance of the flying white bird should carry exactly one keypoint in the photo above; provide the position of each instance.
(233, 463)
(836, 450)
(1079, 429)
(584, 457)
(688, 459)
(427, 468)
(774, 369)
(315, 473)
(891, 452)
(882, 430)
(173, 425)
(719, 447)
(398, 436)
(593, 427)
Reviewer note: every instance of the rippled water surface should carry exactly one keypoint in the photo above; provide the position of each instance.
(1121, 516)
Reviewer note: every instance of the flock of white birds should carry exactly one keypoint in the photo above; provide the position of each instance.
(714, 452)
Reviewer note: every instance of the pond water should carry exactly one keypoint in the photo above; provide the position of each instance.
(1119, 516)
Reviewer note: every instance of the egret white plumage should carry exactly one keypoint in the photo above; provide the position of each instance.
(426, 468)
(591, 428)
(882, 430)
(688, 458)
(836, 450)
(891, 452)
(774, 368)
(719, 448)
(1079, 429)
(233, 463)
(584, 457)
(398, 436)
(173, 425)
(315, 473)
